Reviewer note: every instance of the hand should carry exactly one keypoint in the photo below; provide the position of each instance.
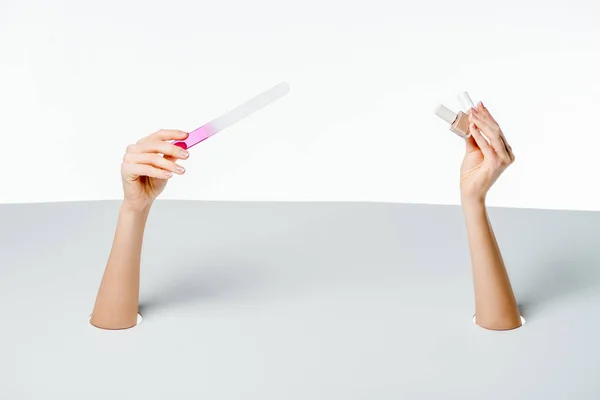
(148, 165)
(484, 160)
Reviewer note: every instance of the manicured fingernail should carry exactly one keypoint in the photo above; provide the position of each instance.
(180, 169)
(167, 174)
(184, 154)
(473, 111)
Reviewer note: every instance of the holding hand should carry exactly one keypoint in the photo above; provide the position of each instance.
(484, 161)
(147, 166)
(495, 304)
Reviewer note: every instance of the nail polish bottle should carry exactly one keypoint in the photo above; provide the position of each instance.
(459, 122)
(465, 101)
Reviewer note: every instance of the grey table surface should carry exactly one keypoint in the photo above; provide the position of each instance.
(297, 301)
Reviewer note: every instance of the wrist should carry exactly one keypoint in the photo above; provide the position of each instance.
(135, 209)
(472, 202)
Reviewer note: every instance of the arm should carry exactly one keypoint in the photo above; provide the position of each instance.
(145, 172)
(495, 303)
(117, 301)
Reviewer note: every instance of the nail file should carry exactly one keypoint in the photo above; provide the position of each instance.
(237, 114)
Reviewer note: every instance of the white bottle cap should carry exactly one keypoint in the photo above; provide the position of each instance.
(465, 101)
(445, 113)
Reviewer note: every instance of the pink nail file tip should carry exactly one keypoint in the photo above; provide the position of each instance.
(233, 116)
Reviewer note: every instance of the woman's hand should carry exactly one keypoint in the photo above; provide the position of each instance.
(495, 304)
(148, 165)
(484, 161)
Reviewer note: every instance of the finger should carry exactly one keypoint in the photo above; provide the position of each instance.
(481, 142)
(508, 147)
(490, 129)
(500, 149)
(509, 150)
(157, 146)
(471, 145)
(497, 143)
(134, 171)
(471, 117)
(484, 115)
(155, 160)
(484, 123)
(493, 132)
(166, 134)
(496, 140)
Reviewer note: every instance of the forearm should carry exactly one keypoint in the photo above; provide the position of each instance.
(495, 304)
(117, 301)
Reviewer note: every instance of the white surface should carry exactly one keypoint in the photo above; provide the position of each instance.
(81, 80)
(305, 301)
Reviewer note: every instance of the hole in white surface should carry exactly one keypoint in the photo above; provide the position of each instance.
(522, 321)
(139, 321)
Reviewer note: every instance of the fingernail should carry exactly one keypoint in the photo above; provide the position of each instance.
(473, 110)
(184, 154)
(168, 174)
(180, 169)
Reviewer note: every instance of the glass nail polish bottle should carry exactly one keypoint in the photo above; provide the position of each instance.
(465, 101)
(459, 122)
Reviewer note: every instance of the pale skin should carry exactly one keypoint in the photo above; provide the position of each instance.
(485, 160)
(146, 168)
(152, 161)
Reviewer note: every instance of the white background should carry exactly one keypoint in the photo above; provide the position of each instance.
(79, 80)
